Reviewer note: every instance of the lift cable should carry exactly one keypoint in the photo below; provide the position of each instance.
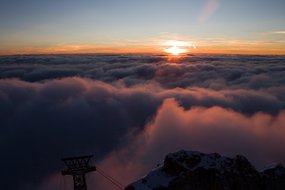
(111, 179)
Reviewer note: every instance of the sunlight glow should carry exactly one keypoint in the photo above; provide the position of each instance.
(177, 47)
(175, 50)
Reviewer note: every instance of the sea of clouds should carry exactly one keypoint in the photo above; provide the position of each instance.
(131, 110)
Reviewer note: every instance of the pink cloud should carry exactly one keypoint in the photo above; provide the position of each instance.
(227, 121)
(260, 137)
(209, 10)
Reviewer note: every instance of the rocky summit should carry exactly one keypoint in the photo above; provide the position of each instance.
(192, 170)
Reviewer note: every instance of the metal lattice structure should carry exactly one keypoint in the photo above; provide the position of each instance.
(78, 167)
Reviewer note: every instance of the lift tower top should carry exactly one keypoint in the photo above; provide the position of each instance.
(78, 167)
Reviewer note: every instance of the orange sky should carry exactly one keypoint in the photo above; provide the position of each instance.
(220, 47)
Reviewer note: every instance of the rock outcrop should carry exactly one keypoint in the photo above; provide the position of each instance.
(191, 170)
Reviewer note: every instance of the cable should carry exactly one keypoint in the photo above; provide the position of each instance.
(114, 183)
(111, 179)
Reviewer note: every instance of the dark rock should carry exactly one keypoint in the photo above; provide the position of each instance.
(198, 171)
(274, 178)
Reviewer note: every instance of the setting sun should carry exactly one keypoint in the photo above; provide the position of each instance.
(177, 47)
(175, 50)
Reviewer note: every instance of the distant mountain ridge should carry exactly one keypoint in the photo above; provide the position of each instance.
(192, 170)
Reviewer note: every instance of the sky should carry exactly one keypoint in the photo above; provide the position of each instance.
(141, 26)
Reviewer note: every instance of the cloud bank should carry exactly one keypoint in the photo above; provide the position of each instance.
(260, 137)
(207, 71)
(130, 110)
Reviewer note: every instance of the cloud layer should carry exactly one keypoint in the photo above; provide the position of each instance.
(130, 110)
(260, 137)
(207, 71)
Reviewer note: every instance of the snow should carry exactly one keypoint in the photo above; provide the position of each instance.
(158, 177)
(208, 161)
(270, 166)
(155, 178)
(183, 162)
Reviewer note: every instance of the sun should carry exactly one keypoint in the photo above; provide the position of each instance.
(176, 48)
